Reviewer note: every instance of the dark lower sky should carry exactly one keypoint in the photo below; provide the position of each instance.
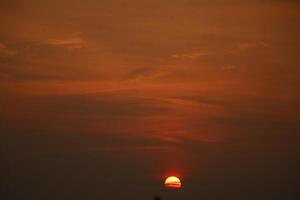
(103, 99)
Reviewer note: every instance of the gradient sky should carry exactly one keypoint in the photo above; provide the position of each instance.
(102, 99)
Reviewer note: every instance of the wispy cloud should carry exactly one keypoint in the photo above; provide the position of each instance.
(190, 56)
(75, 41)
(244, 46)
(4, 75)
(140, 148)
(5, 51)
(249, 45)
(228, 67)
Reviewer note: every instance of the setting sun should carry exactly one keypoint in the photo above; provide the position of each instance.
(173, 182)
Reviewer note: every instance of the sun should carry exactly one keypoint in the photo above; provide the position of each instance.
(173, 182)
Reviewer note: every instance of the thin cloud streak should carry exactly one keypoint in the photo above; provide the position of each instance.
(5, 51)
(75, 41)
(192, 56)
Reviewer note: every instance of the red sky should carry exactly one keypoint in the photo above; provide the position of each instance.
(95, 92)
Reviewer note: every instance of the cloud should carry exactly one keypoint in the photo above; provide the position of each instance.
(250, 45)
(228, 67)
(73, 42)
(4, 75)
(5, 51)
(136, 148)
(244, 46)
(190, 56)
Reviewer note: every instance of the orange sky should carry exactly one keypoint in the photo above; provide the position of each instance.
(150, 77)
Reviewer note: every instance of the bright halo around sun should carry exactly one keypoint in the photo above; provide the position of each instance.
(173, 182)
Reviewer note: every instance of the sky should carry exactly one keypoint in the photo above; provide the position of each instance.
(103, 99)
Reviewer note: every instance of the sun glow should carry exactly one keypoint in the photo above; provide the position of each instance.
(173, 182)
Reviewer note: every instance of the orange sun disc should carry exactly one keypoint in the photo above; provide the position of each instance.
(173, 182)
